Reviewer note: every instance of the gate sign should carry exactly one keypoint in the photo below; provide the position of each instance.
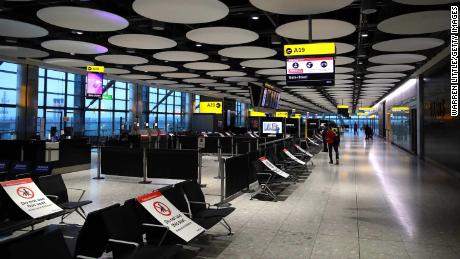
(27, 196)
(168, 215)
(211, 107)
(291, 156)
(303, 151)
(273, 168)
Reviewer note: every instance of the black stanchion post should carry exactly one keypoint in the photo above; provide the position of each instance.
(144, 168)
(200, 166)
(249, 145)
(22, 153)
(98, 176)
(219, 159)
(232, 145)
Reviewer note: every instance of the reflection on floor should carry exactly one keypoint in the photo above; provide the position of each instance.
(380, 202)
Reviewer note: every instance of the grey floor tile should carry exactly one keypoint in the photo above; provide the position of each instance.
(379, 249)
(335, 247)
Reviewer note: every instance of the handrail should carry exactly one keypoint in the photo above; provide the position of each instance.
(274, 141)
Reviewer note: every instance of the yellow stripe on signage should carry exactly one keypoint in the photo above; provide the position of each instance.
(282, 114)
(95, 69)
(342, 106)
(296, 116)
(309, 49)
(211, 107)
(366, 108)
(362, 113)
(398, 109)
(256, 114)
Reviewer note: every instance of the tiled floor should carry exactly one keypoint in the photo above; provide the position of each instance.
(379, 202)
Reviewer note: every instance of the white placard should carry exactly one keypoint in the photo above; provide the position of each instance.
(168, 215)
(313, 142)
(273, 168)
(252, 135)
(221, 135)
(27, 196)
(201, 142)
(303, 151)
(228, 134)
(291, 156)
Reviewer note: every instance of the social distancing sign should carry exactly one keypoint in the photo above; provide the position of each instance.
(273, 168)
(303, 151)
(168, 215)
(27, 196)
(291, 156)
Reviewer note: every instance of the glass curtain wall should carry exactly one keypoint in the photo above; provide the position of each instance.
(240, 114)
(168, 110)
(8, 99)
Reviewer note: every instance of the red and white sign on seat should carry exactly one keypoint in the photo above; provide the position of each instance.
(303, 151)
(273, 168)
(291, 156)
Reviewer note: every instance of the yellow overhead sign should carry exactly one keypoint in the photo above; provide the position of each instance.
(310, 49)
(211, 107)
(296, 116)
(362, 113)
(95, 69)
(400, 108)
(342, 106)
(366, 109)
(282, 114)
(253, 113)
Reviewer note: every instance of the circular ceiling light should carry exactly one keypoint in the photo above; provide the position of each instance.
(225, 73)
(138, 77)
(247, 52)
(343, 81)
(122, 59)
(397, 58)
(271, 71)
(116, 71)
(180, 11)
(385, 75)
(341, 48)
(141, 41)
(378, 85)
(199, 80)
(339, 60)
(323, 29)
(17, 29)
(277, 78)
(408, 44)
(240, 79)
(21, 52)
(390, 68)
(416, 23)
(300, 7)
(68, 62)
(215, 85)
(155, 68)
(343, 76)
(206, 66)
(180, 56)
(426, 2)
(80, 18)
(263, 63)
(76, 47)
(281, 83)
(179, 75)
(222, 35)
(182, 86)
(342, 70)
(381, 81)
(162, 82)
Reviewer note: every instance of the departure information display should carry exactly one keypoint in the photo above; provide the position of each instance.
(310, 71)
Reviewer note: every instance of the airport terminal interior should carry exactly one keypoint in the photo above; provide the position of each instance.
(229, 129)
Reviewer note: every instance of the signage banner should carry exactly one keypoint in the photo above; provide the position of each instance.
(297, 116)
(95, 69)
(211, 107)
(201, 142)
(310, 70)
(303, 151)
(282, 114)
(310, 49)
(291, 156)
(253, 113)
(168, 215)
(273, 168)
(27, 196)
(313, 142)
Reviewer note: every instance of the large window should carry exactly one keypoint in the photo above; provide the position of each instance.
(240, 114)
(8, 99)
(167, 109)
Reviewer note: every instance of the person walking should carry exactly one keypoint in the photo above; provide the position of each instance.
(355, 129)
(333, 142)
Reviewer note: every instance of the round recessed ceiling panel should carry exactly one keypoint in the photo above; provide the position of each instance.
(71, 46)
(408, 44)
(199, 80)
(179, 75)
(80, 18)
(263, 63)
(122, 59)
(397, 58)
(17, 29)
(390, 68)
(322, 29)
(271, 71)
(342, 70)
(180, 11)
(341, 48)
(206, 66)
(339, 60)
(378, 85)
(21, 52)
(240, 79)
(222, 35)
(300, 7)
(162, 82)
(225, 73)
(68, 62)
(182, 86)
(343, 76)
(426, 2)
(180, 56)
(215, 85)
(116, 71)
(155, 68)
(277, 78)
(247, 52)
(142, 41)
(381, 81)
(343, 81)
(138, 77)
(416, 23)
(385, 75)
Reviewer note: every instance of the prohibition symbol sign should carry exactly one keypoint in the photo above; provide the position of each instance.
(162, 208)
(25, 192)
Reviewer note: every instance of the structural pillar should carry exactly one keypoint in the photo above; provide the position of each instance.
(27, 98)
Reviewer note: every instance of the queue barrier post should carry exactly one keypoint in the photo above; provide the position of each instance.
(219, 159)
(200, 165)
(232, 145)
(98, 176)
(236, 148)
(144, 167)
